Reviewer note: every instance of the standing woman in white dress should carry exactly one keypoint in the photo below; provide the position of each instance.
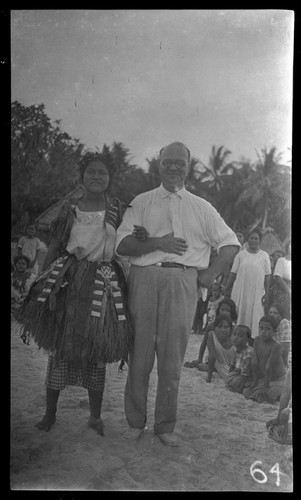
(250, 276)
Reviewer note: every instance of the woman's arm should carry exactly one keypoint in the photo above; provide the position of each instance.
(52, 253)
(282, 284)
(61, 229)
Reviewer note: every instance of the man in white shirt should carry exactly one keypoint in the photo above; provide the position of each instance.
(163, 284)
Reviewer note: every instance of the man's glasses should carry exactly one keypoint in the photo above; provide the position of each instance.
(176, 163)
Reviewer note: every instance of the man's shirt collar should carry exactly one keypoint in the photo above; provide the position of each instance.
(167, 194)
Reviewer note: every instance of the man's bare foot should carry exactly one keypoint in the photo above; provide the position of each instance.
(134, 434)
(96, 424)
(46, 423)
(168, 439)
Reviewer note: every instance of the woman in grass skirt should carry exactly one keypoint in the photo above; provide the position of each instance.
(76, 308)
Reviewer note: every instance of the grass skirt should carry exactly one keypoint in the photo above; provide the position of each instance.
(64, 325)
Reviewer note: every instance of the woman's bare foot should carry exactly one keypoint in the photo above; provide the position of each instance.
(46, 423)
(191, 364)
(96, 424)
(202, 367)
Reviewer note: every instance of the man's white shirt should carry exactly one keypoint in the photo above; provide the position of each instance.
(184, 214)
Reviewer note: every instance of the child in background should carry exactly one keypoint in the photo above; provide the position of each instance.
(283, 332)
(221, 351)
(214, 300)
(240, 368)
(267, 365)
(21, 280)
(226, 306)
(30, 246)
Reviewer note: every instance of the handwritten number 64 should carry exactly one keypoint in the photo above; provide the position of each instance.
(262, 476)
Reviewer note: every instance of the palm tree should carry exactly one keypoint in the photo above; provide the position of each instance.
(218, 167)
(261, 188)
(153, 175)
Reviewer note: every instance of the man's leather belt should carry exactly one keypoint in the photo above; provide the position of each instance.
(173, 264)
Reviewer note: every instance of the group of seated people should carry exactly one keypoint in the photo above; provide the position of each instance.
(256, 367)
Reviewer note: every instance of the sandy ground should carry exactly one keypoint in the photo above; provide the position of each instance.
(221, 435)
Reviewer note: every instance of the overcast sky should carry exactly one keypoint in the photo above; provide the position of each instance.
(150, 77)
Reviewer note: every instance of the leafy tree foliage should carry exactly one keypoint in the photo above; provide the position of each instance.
(266, 190)
(44, 160)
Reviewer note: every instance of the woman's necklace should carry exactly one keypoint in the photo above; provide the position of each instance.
(87, 205)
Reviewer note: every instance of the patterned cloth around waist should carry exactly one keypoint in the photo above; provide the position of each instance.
(105, 281)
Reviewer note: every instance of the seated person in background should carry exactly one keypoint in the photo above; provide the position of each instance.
(30, 246)
(21, 280)
(215, 298)
(267, 366)
(283, 332)
(226, 306)
(280, 428)
(220, 349)
(240, 369)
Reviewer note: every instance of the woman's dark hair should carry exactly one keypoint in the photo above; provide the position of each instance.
(104, 158)
(231, 304)
(269, 319)
(257, 231)
(21, 257)
(247, 330)
(220, 318)
(279, 308)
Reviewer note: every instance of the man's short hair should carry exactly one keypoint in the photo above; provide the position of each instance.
(178, 144)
